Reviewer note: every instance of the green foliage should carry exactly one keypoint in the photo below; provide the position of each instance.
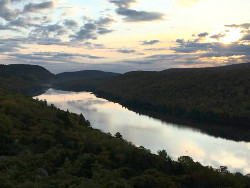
(118, 135)
(216, 100)
(42, 146)
(26, 79)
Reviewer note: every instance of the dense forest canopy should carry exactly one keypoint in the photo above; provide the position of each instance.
(26, 79)
(42, 146)
(209, 98)
(86, 74)
(216, 100)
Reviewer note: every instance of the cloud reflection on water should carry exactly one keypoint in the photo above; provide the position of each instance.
(152, 133)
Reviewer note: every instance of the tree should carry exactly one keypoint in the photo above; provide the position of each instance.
(81, 119)
(118, 135)
(162, 153)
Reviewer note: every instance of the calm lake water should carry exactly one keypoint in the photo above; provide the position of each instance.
(153, 134)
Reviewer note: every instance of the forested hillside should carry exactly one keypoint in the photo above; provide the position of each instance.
(26, 79)
(214, 96)
(42, 146)
(85, 74)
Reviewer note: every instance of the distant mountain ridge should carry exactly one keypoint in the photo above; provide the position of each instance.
(84, 74)
(32, 79)
(224, 67)
(33, 72)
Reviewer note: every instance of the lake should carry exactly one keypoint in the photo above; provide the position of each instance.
(152, 133)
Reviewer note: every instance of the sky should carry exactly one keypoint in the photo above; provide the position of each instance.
(124, 35)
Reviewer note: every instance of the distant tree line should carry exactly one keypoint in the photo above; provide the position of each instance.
(216, 100)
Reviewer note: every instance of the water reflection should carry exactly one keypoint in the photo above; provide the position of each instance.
(152, 133)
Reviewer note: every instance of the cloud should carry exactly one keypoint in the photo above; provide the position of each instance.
(88, 31)
(66, 55)
(245, 25)
(218, 36)
(211, 49)
(190, 47)
(246, 37)
(36, 7)
(43, 58)
(126, 51)
(46, 33)
(102, 30)
(139, 16)
(6, 12)
(123, 3)
(7, 27)
(156, 49)
(70, 23)
(11, 45)
(151, 42)
(92, 29)
(131, 15)
(203, 34)
(104, 21)
(20, 22)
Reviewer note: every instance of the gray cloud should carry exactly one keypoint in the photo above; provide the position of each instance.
(66, 55)
(212, 49)
(126, 51)
(104, 21)
(20, 22)
(88, 31)
(92, 29)
(34, 7)
(10, 45)
(218, 36)
(43, 58)
(245, 25)
(123, 3)
(70, 23)
(203, 34)
(102, 30)
(151, 42)
(6, 12)
(131, 15)
(190, 47)
(7, 27)
(156, 49)
(246, 37)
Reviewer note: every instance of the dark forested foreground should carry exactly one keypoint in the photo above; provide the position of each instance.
(216, 100)
(42, 146)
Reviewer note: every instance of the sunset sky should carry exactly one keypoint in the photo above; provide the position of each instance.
(124, 35)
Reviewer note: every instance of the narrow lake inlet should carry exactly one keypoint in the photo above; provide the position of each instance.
(151, 133)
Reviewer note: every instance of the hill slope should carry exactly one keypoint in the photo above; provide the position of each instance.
(24, 78)
(85, 74)
(217, 96)
(42, 146)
